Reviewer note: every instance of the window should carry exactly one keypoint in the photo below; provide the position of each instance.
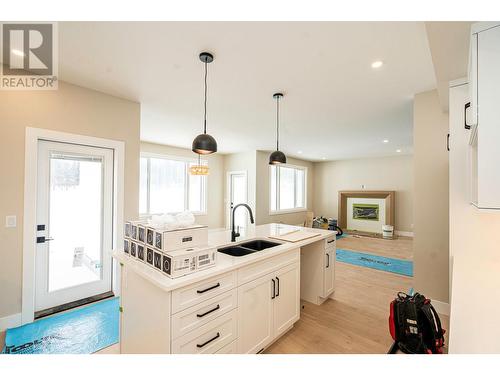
(288, 188)
(167, 187)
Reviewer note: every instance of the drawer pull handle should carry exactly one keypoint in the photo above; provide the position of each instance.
(208, 312)
(209, 341)
(333, 240)
(209, 288)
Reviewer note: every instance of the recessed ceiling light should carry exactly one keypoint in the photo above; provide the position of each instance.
(385, 141)
(323, 158)
(299, 152)
(17, 52)
(377, 64)
(398, 150)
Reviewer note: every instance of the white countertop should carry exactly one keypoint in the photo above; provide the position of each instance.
(226, 263)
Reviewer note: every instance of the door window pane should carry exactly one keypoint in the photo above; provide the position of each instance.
(300, 181)
(75, 221)
(274, 178)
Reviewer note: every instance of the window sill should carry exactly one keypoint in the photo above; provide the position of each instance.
(284, 212)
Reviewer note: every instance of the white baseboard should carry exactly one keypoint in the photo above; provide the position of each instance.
(441, 307)
(10, 321)
(403, 233)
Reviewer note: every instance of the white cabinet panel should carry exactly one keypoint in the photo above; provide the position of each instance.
(209, 338)
(201, 291)
(200, 314)
(255, 315)
(329, 272)
(287, 300)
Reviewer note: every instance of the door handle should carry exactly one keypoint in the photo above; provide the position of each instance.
(42, 239)
(278, 292)
(467, 126)
(274, 289)
(327, 260)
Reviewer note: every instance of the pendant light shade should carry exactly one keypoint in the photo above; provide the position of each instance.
(205, 144)
(277, 157)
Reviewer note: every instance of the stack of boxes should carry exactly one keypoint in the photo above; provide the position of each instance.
(173, 252)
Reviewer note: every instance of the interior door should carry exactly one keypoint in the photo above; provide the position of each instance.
(287, 301)
(237, 183)
(255, 315)
(74, 223)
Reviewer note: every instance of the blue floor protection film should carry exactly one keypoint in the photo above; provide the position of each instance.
(81, 331)
(399, 266)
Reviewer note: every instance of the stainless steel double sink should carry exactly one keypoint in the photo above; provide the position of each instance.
(246, 248)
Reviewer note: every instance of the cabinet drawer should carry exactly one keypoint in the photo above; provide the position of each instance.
(229, 349)
(210, 337)
(330, 242)
(201, 291)
(266, 266)
(200, 314)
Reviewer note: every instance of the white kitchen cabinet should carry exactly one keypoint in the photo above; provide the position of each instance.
(484, 116)
(268, 307)
(329, 272)
(287, 300)
(255, 315)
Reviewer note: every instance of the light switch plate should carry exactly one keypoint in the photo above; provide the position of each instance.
(10, 221)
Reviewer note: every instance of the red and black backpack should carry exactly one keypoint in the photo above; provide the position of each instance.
(415, 325)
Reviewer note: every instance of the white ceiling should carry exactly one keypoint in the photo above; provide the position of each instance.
(335, 106)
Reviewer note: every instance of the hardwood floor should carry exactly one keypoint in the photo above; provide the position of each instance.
(356, 319)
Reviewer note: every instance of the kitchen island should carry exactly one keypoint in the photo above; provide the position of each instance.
(241, 305)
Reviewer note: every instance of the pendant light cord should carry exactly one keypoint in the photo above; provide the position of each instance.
(205, 103)
(277, 123)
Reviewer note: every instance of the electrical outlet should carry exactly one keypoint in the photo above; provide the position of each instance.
(10, 221)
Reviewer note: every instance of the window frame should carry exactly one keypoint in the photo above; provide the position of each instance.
(186, 161)
(279, 211)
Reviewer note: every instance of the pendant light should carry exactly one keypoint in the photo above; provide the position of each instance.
(199, 169)
(277, 157)
(205, 144)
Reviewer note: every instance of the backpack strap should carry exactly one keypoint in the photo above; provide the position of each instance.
(435, 325)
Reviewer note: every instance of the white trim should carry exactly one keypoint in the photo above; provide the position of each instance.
(33, 135)
(441, 307)
(403, 233)
(10, 321)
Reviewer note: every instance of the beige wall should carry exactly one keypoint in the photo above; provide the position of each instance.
(387, 173)
(242, 161)
(430, 160)
(71, 109)
(215, 189)
(263, 192)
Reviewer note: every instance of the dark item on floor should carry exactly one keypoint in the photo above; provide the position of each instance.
(415, 325)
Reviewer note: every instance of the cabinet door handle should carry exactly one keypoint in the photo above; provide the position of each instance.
(208, 312)
(278, 282)
(209, 288)
(327, 260)
(467, 126)
(274, 289)
(209, 341)
(448, 142)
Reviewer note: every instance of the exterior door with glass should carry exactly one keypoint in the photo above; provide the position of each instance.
(237, 187)
(74, 223)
